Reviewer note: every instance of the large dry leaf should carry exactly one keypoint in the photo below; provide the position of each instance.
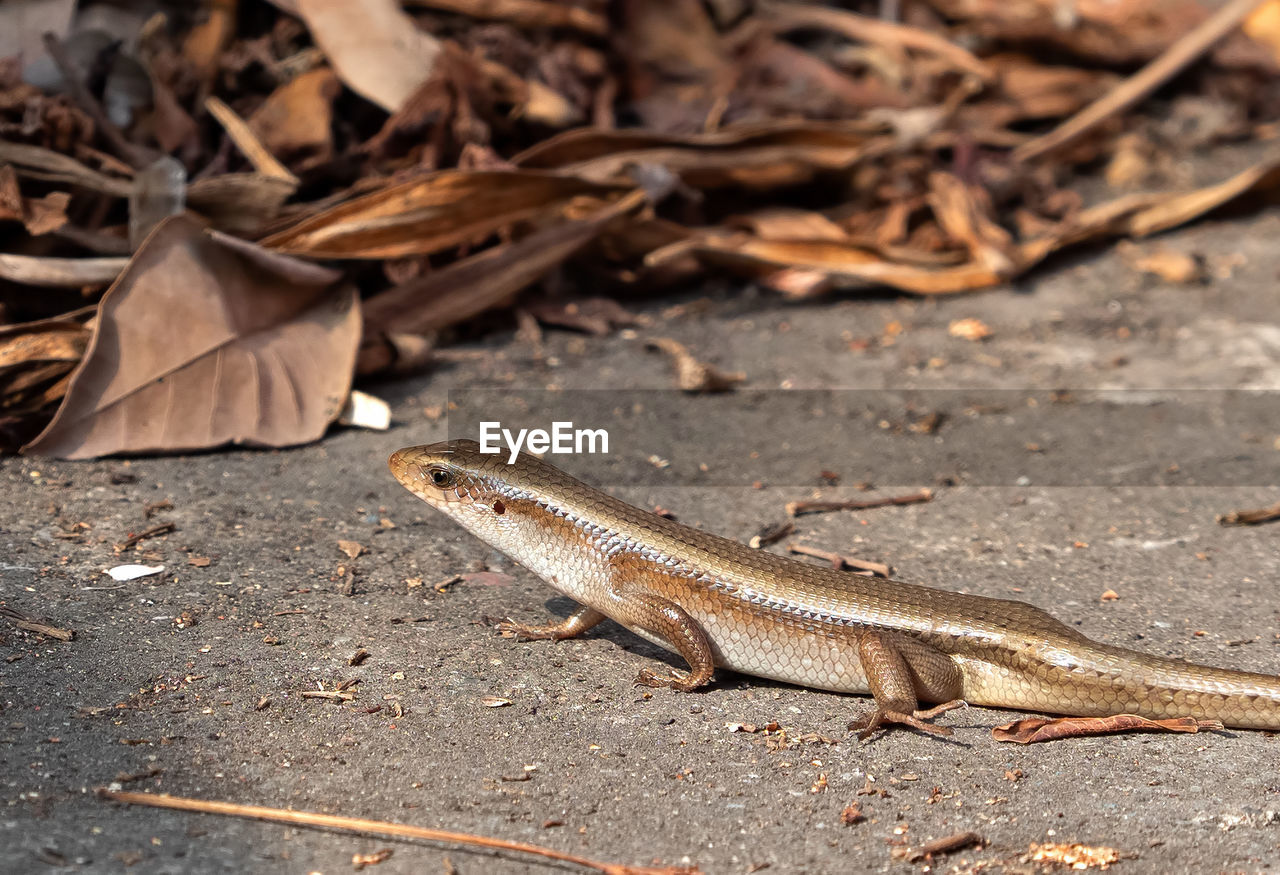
(433, 213)
(376, 49)
(203, 341)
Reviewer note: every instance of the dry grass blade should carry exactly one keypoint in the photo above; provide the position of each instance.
(265, 357)
(433, 213)
(381, 827)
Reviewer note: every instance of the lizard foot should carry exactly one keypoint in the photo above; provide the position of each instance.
(524, 632)
(677, 680)
(880, 717)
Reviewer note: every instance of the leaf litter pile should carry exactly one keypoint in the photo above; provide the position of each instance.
(215, 216)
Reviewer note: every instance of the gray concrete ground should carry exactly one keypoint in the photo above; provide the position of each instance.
(189, 683)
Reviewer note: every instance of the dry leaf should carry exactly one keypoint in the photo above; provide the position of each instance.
(693, 375)
(265, 357)
(1037, 729)
(376, 49)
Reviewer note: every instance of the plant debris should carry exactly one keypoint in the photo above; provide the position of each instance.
(166, 190)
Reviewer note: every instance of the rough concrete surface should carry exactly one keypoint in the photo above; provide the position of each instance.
(189, 682)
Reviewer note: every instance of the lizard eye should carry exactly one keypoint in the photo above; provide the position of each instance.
(443, 478)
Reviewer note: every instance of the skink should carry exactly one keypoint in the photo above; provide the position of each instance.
(716, 602)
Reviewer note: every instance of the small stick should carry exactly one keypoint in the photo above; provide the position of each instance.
(357, 824)
(839, 561)
(771, 534)
(946, 845)
(28, 624)
(1164, 67)
(796, 508)
(132, 540)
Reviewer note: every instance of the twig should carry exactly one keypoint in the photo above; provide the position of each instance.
(136, 156)
(132, 540)
(247, 141)
(1251, 517)
(796, 508)
(30, 624)
(1164, 67)
(839, 561)
(381, 827)
(771, 534)
(946, 845)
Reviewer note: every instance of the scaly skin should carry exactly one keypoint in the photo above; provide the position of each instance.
(719, 603)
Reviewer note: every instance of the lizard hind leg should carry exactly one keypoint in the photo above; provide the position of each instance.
(898, 671)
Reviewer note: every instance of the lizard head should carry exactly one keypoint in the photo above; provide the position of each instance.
(450, 476)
